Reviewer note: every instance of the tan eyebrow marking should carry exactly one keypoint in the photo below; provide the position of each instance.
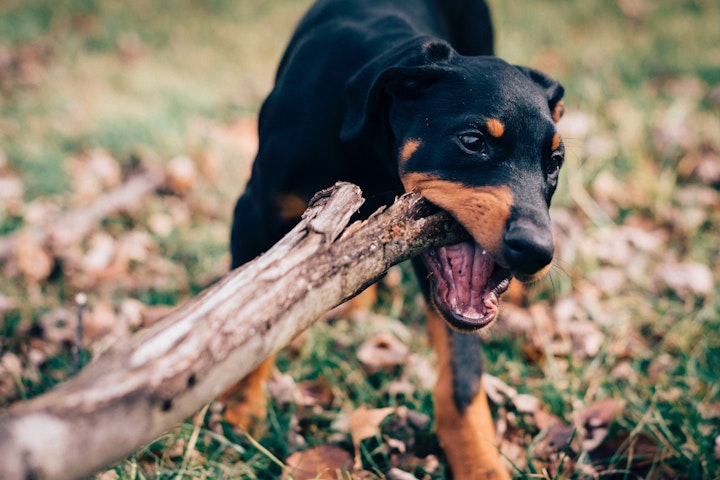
(556, 141)
(495, 127)
(408, 149)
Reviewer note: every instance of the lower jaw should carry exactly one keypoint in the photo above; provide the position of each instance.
(478, 316)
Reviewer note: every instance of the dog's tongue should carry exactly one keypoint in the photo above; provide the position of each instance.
(467, 284)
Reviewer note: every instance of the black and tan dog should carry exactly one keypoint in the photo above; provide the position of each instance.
(400, 95)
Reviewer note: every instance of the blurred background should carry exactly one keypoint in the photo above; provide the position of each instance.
(127, 129)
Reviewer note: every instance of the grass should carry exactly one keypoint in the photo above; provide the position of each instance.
(628, 313)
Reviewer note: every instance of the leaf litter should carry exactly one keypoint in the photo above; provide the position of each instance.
(636, 280)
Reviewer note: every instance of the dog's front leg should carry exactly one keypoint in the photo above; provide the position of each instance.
(462, 414)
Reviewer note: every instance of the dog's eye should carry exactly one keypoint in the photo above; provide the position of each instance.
(554, 164)
(472, 142)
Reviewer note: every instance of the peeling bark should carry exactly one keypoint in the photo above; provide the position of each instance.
(139, 389)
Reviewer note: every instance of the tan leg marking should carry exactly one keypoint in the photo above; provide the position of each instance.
(466, 438)
(290, 206)
(245, 402)
(483, 211)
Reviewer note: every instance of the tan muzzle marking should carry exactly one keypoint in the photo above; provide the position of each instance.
(483, 211)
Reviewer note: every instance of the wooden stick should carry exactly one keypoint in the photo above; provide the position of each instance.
(143, 387)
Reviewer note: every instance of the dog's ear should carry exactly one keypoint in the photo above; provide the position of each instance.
(402, 72)
(553, 91)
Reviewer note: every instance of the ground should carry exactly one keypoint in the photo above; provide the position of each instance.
(606, 369)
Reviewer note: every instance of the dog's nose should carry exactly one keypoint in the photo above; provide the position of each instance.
(528, 248)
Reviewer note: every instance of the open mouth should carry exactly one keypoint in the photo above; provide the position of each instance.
(467, 284)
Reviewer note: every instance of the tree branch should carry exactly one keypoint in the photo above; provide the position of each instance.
(137, 390)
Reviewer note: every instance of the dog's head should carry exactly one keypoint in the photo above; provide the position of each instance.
(475, 136)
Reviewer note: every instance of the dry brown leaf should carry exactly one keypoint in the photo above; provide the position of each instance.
(11, 372)
(33, 259)
(180, 175)
(58, 326)
(131, 313)
(382, 351)
(325, 462)
(596, 419)
(635, 9)
(161, 224)
(100, 253)
(107, 475)
(99, 320)
(610, 281)
(686, 279)
(525, 403)
(11, 193)
(421, 371)
(635, 452)
(282, 388)
(397, 474)
(554, 450)
(544, 419)
(659, 365)
(134, 247)
(497, 391)
(313, 393)
(708, 168)
(93, 172)
(364, 424)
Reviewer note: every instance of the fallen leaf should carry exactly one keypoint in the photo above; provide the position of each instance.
(554, 450)
(131, 312)
(497, 391)
(659, 365)
(596, 419)
(314, 393)
(633, 452)
(133, 247)
(544, 419)
(58, 326)
(100, 253)
(180, 175)
(161, 224)
(33, 260)
(708, 168)
(420, 369)
(364, 424)
(281, 387)
(397, 474)
(382, 351)
(686, 279)
(325, 462)
(11, 372)
(107, 475)
(93, 172)
(636, 10)
(99, 320)
(11, 193)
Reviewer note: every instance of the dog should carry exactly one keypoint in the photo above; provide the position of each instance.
(402, 95)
